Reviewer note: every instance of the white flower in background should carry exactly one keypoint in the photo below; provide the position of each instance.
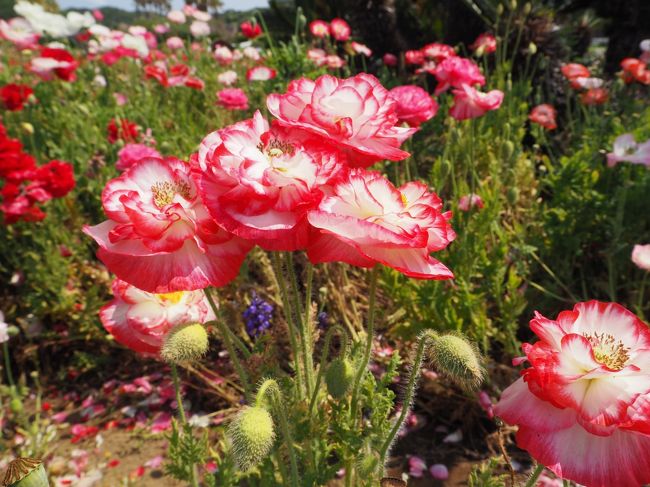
(641, 256)
(626, 149)
(227, 78)
(99, 30)
(56, 45)
(19, 32)
(588, 83)
(645, 45)
(54, 25)
(99, 81)
(137, 30)
(176, 16)
(136, 43)
(201, 16)
(252, 53)
(199, 28)
(4, 329)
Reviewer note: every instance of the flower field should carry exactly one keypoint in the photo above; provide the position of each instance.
(275, 249)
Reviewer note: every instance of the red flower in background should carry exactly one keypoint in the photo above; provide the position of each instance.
(232, 99)
(438, 52)
(414, 57)
(319, 28)
(250, 30)
(340, 30)
(153, 71)
(635, 70)
(15, 96)
(414, 105)
(594, 96)
(54, 61)
(457, 72)
(544, 115)
(471, 103)
(122, 129)
(27, 185)
(485, 43)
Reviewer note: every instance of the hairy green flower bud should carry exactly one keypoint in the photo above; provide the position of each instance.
(185, 343)
(369, 465)
(339, 377)
(252, 434)
(16, 405)
(25, 472)
(454, 356)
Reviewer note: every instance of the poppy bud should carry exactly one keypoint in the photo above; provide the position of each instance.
(454, 356)
(339, 377)
(252, 434)
(26, 472)
(185, 343)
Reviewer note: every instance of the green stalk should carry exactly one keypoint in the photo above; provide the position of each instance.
(225, 335)
(183, 418)
(374, 276)
(423, 341)
(323, 359)
(271, 388)
(303, 326)
(532, 480)
(286, 307)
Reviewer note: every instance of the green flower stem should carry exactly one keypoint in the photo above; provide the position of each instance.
(271, 388)
(8, 371)
(532, 480)
(323, 359)
(423, 341)
(183, 418)
(237, 341)
(303, 327)
(363, 365)
(225, 335)
(286, 307)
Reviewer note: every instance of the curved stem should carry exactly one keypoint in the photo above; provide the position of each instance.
(225, 335)
(271, 388)
(416, 368)
(286, 307)
(323, 359)
(532, 480)
(374, 276)
(183, 418)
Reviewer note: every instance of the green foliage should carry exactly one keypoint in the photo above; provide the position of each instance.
(185, 450)
(483, 475)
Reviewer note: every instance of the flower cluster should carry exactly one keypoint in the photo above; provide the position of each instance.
(257, 316)
(14, 96)
(636, 69)
(461, 75)
(26, 185)
(582, 406)
(297, 183)
(592, 91)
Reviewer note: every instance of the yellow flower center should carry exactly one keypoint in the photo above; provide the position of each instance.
(164, 192)
(405, 201)
(608, 351)
(173, 298)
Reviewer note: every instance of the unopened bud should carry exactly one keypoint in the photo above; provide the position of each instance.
(252, 434)
(369, 465)
(185, 343)
(454, 356)
(532, 48)
(339, 377)
(528, 7)
(25, 472)
(27, 127)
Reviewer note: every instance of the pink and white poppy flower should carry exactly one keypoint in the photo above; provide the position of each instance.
(357, 114)
(159, 235)
(260, 73)
(582, 406)
(259, 182)
(471, 103)
(141, 320)
(626, 149)
(367, 221)
(641, 256)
